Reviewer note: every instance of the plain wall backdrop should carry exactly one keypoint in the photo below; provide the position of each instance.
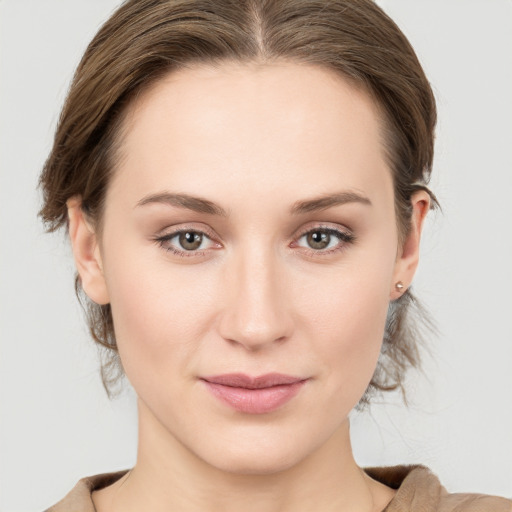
(56, 423)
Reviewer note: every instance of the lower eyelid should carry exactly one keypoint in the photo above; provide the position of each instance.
(343, 238)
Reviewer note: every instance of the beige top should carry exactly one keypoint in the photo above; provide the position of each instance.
(418, 490)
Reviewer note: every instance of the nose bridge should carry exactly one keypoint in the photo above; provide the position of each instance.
(255, 314)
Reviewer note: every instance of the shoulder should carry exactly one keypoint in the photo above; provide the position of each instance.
(418, 489)
(79, 498)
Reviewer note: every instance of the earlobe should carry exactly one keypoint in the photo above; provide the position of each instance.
(408, 256)
(86, 253)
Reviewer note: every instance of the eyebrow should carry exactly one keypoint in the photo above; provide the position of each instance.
(328, 201)
(196, 204)
(201, 205)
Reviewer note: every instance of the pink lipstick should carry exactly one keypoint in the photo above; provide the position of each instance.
(254, 395)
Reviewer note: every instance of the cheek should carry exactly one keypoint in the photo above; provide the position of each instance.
(353, 324)
(347, 326)
(160, 313)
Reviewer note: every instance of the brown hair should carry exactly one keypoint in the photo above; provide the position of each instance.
(146, 39)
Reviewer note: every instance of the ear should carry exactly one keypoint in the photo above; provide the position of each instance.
(408, 253)
(86, 253)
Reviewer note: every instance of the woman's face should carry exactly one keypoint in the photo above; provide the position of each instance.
(249, 228)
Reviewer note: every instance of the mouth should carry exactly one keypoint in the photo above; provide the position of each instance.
(254, 395)
(241, 380)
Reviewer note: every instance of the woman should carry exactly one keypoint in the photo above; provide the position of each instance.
(246, 285)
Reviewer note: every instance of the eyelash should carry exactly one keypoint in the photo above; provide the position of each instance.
(343, 237)
(164, 240)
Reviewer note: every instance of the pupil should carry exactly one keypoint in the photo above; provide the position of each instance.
(190, 240)
(319, 240)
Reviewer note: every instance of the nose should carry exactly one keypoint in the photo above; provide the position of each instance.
(256, 312)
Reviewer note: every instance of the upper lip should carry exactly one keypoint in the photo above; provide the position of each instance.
(240, 380)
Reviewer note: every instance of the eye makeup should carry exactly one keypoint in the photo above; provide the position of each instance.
(316, 241)
(324, 240)
(188, 242)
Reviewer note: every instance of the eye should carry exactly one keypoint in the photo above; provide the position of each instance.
(324, 240)
(189, 240)
(186, 242)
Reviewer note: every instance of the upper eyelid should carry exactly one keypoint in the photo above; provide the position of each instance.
(169, 233)
(321, 227)
(212, 235)
(166, 238)
(325, 227)
(346, 237)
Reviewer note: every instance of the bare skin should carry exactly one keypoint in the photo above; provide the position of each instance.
(256, 295)
(308, 486)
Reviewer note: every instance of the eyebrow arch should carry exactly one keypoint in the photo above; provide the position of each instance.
(201, 205)
(196, 204)
(328, 201)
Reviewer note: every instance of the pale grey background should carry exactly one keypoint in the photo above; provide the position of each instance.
(56, 423)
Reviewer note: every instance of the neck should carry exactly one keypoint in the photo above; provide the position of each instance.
(168, 476)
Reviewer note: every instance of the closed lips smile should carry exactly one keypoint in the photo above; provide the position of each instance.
(254, 395)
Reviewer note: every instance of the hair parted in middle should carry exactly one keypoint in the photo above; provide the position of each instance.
(145, 40)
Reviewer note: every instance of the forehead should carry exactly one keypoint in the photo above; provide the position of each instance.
(253, 125)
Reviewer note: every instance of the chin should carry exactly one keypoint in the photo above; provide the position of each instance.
(255, 462)
(262, 453)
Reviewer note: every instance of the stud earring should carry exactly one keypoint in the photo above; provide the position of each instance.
(399, 286)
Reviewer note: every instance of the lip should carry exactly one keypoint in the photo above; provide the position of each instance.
(254, 395)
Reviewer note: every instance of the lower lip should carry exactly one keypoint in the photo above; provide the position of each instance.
(255, 401)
